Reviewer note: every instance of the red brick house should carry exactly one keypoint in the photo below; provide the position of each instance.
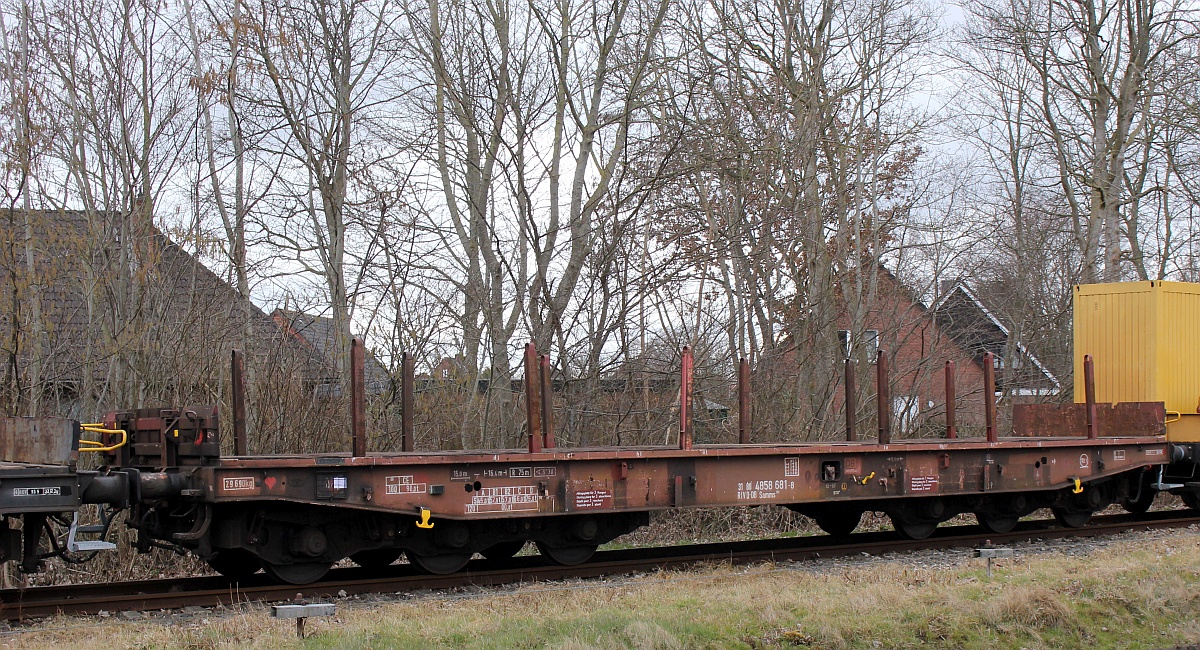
(918, 341)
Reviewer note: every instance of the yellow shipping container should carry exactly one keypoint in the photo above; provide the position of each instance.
(1143, 340)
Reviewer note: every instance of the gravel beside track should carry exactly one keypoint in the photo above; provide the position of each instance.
(37, 602)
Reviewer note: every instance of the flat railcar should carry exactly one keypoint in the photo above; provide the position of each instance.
(296, 515)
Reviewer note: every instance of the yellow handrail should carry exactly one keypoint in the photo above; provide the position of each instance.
(96, 445)
(1177, 414)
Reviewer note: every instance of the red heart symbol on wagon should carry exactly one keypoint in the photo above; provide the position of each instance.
(269, 482)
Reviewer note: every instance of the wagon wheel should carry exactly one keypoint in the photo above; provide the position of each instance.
(1190, 499)
(914, 530)
(503, 550)
(837, 523)
(440, 563)
(235, 563)
(1072, 518)
(997, 523)
(1140, 505)
(567, 555)
(376, 558)
(299, 573)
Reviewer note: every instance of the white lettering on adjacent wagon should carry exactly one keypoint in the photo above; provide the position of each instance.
(37, 492)
(503, 499)
(403, 485)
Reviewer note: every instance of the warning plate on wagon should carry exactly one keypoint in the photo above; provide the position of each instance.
(593, 499)
(923, 483)
(37, 492)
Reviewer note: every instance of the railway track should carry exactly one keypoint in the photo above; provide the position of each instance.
(145, 595)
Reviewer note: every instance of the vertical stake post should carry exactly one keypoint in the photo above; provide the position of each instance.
(547, 402)
(406, 402)
(883, 397)
(989, 394)
(685, 397)
(851, 401)
(1089, 392)
(743, 401)
(237, 368)
(533, 400)
(358, 398)
(951, 398)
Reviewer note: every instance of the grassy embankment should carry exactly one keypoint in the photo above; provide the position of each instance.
(1139, 593)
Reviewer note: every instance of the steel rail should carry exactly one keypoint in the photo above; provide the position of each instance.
(146, 595)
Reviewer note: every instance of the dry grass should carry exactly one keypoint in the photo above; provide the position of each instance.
(1139, 593)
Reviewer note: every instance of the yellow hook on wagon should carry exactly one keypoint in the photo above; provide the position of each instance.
(96, 445)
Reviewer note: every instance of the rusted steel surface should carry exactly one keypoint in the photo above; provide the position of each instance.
(466, 485)
(166, 437)
(406, 402)
(358, 399)
(237, 367)
(685, 400)
(951, 429)
(42, 441)
(547, 402)
(851, 401)
(533, 399)
(989, 395)
(883, 397)
(1089, 389)
(743, 387)
(1071, 420)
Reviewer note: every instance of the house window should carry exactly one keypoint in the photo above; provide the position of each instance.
(870, 342)
(844, 343)
(445, 373)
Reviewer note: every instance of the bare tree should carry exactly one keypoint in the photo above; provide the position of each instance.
(320, 100)
(1097, 72)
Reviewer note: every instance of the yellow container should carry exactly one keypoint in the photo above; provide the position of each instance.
(1144, 345)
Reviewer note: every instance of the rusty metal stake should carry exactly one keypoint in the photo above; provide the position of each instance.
(851, 401)
(406, 402)
(743, 401)
(547, 402)
(685, 396)
(1089, 391)
(883, 398)
(989, 394)
(358, 401)
(237, 369)
(951, 431)
(533, 400)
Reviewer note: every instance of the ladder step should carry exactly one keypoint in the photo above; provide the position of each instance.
(92, 545)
